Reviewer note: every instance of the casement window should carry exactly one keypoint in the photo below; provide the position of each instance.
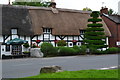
(82, 32)
(14, 31)
(7, 47)
(47, 30)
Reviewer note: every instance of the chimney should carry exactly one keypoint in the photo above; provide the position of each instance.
(52, 4)
(104, 10)
(8, 2)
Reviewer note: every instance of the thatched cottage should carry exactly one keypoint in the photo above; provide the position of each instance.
(44, 25)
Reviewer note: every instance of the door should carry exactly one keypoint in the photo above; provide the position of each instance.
(16, 49)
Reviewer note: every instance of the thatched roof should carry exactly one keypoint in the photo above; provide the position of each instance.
(16, 17)
(65, 22)
(62, 21)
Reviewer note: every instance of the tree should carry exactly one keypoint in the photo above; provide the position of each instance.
(94, 35)
(41, 3)
(110, 11)
(87, 9)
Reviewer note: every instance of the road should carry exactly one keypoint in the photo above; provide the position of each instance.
(16, 68)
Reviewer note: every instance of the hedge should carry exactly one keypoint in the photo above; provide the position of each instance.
(66, 51)
(112, 50)
(83, 49)
(48, 49)
(61, 43)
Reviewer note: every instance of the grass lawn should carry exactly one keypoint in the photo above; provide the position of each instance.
(81, 74)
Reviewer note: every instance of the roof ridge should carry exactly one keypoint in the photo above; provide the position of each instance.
(48, 8)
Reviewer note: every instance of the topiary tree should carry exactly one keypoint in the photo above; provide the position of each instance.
(94, 35)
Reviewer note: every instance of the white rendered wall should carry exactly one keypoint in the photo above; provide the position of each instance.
(52, 37)
(1, 38)
(28, 39)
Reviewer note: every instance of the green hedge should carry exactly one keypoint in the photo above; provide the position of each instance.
(95, 25)
(48, 49)
(83, 49)
(61, 43)
(112, 50)
(66, 51)
(77, 49)
(94, 51)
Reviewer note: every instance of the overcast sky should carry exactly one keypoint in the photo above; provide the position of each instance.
(80, 4)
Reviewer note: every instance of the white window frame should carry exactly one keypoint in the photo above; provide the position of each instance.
(82, 32)
(14, 31)
(47, 30)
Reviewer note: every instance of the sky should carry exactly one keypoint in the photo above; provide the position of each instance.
(95, 5)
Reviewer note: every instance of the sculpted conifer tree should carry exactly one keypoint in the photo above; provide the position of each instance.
(94, 35)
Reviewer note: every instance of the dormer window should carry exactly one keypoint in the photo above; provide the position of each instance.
(82, 32)
(14, 31)
(47, 30)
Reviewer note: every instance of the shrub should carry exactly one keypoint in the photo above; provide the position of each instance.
(61, 43)
(112, 50)
(94, 51)
(26, 45)
(34, 45)
(66, 51)
(48, 49)
(77, 49)
(83, 49)
(118, 50)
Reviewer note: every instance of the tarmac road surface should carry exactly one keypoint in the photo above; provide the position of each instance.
(24, 67)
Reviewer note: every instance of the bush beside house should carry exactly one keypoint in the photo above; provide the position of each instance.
(61, 43)
(48, 50)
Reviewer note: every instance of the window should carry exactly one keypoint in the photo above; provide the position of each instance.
(14, 31)
(46, 37)
(7, 47)
(46, 30)
(82, 32)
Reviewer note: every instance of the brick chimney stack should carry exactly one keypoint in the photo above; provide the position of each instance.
(53, 4)
(104, 10)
